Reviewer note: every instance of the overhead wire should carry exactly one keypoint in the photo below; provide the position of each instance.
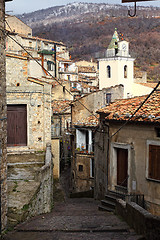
(16, 41)
(8, 34)
(136, 110)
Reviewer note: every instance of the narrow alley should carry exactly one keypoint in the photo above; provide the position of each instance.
(73, 218)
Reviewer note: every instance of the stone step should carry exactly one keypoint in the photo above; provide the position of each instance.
(110, 198)
(108, 204)
(104, 208)
(121, 189)
(116, 194)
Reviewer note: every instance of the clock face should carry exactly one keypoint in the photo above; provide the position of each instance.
(124, 47)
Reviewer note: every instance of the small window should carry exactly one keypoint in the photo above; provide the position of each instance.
(108, 71)
(50, 66)
(64, 89)
(158, 132)
(68, 77)
(125, 71)
(80, 168)
(108, 98)
(154, 162)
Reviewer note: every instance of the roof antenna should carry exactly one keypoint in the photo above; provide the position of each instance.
(134, 11)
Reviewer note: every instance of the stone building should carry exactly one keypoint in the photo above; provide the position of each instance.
(3, 123)
(83, 128)
(17, 26)
(127, 159)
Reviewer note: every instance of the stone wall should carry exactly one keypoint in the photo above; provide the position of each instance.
(29, 194)
(3, 123)
(138, 218)
(38, 101)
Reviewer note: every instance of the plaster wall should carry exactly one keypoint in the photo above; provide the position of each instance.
(59, 93)
(83, 180)
(17, 26)
(137, 138)
(117, 73)
(94, 101)
(56, 157)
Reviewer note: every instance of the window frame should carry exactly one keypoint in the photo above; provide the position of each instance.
(154, 143)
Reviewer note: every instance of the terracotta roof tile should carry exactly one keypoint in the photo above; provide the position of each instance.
(59, 106)
(86, 70)
(122, 109)
(90, 121)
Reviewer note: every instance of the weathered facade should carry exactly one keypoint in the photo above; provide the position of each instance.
(3, 123)
(84, 126)
(130, 160)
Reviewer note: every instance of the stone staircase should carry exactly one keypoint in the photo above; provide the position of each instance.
(109, 203)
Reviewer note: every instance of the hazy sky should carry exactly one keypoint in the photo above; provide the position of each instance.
(23, 6)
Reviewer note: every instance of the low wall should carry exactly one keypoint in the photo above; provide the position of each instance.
(28, 198)
(138, 218)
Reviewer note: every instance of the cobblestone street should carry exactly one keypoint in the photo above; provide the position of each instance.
(74, 219)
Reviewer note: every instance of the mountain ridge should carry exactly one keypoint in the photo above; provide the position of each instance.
(87, 28)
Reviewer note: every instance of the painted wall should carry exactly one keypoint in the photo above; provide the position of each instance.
(17, 26)
(56, 157)
(117, 73)
(93, 102)
(137, 139)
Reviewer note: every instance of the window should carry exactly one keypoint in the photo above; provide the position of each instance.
(108, 71)
(50, 66)
(68, 77)
(108, 98)
(125, 71)
(157, 132)
(80, 168)
(154, 162)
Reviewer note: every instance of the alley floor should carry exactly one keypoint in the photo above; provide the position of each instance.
(74, 219)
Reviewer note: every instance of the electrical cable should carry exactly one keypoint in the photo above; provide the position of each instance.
(136, 110)
(16, 41)
(8, 34)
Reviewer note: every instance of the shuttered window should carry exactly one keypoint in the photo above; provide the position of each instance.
(154, 162)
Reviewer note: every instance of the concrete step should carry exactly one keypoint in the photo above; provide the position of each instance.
(108, 204)
(104, 208)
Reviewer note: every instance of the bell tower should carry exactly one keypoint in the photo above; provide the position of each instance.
(117, 67)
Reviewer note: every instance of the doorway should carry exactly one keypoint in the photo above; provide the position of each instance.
(122, 167)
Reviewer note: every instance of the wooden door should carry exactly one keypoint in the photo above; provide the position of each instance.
(17, 125)
(122, 167)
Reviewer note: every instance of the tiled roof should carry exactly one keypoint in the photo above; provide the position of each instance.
(122, 109)
(86, 70)
(115, 39)
(151, 85)
(59, 106)
(90, 121)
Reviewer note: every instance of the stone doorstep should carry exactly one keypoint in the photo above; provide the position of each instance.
(74, 230)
